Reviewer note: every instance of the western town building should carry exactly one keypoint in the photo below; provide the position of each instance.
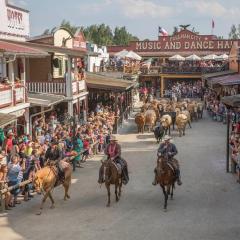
(184, 43)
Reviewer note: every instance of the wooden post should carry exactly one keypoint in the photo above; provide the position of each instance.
(227, 142)
(116, 110)
(69, 90)
(162, 86)
(2, 198)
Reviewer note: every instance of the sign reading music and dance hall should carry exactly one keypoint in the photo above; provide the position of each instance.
(182, 41)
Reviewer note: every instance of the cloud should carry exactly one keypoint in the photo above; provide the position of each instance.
(211, 8)
(144, 8)
(95, 7)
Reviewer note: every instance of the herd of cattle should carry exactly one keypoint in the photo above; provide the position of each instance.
(160, 115)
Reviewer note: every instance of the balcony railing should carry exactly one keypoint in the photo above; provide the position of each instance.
(151, 70)
(11, 95)
(190, 70)
(182, 69)
(58, 88)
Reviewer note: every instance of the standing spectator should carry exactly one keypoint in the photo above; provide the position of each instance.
(15, 175)
(2, 137)
(9, 143)
(77, 147)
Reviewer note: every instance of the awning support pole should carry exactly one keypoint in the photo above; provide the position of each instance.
(227, 142)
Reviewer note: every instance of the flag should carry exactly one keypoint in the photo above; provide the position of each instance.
(162, 32)
(213, 24)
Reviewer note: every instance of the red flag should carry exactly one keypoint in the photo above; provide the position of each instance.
(213, 24)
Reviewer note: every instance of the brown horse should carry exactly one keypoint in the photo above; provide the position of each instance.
(166, 178)
(47, 178)
(111, 175)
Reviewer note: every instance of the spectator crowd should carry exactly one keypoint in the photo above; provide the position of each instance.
(21, 156)
(184, 90)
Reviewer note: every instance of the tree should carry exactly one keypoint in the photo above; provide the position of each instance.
(68, 26)
(238, 30)
(123, 37)
(99, 34)
(234, 34)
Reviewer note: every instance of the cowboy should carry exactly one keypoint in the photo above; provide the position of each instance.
(54, 155)
(113, 151)
(168, 150)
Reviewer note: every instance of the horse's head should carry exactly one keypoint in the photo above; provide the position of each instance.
(161, 164)
(106, 168)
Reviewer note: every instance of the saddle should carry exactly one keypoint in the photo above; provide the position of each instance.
(59, 173)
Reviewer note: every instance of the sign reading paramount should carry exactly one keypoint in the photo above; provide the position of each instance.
(183, 41)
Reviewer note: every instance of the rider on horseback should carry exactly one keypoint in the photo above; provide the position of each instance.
(169, 150)
(113, 151)
(54, 155)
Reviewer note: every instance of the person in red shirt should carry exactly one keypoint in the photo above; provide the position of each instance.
(86, 147)
(237, 128)
(9, 143)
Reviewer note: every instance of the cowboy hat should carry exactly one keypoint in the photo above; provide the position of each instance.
(167, 138)
(113, 138)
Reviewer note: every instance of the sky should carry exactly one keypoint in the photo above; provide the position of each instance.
(141, 17)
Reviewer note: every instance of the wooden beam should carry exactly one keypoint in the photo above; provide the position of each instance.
(162, 85)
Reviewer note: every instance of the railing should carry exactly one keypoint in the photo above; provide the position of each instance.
(79, 86)
(151, 70)
(181, 69)
(55, 87)
(189, 69)
(47, 87)
(10, 95)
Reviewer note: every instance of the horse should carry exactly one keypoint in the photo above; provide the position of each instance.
(46, 179)
(166, 178)
(112, 175)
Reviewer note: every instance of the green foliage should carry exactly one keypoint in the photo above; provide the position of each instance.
(100, 34)
(68, 26)
(234, 32)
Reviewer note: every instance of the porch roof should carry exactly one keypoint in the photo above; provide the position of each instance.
(227, 80)
(44, 99)
(218, 74)
(98, 81)
(6, 119)
(54, 49)
(232, 101)
(9, 48)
